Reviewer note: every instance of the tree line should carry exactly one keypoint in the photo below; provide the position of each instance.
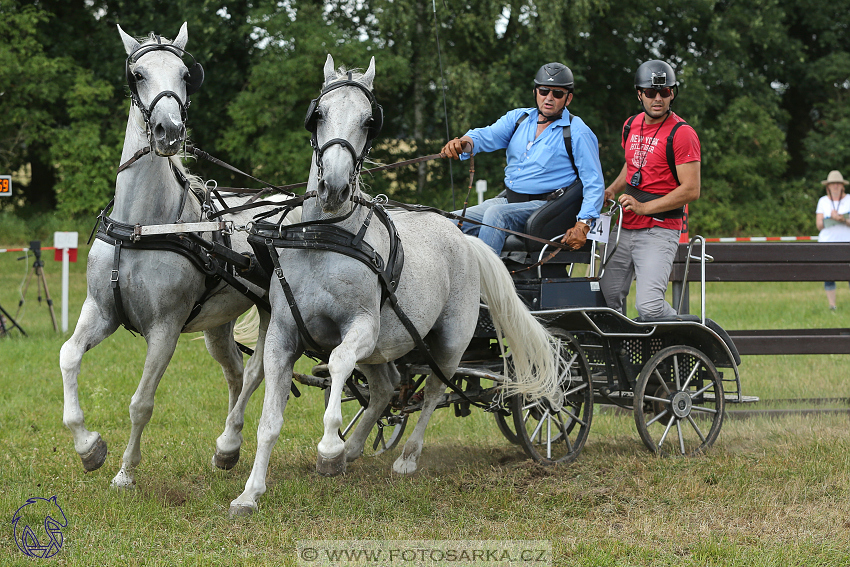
(765, 84)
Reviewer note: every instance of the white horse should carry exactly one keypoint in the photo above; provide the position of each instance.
(158, 289)
(444, 277)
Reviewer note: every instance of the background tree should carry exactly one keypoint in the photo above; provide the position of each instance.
(765, 84)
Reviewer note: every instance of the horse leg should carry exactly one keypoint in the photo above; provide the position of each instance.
(223, 349)
(358, 342)
(381, 378)
(91, 329)
(443, 342)
(434, 388)
(229, 442)
(161, 345)
(279, 358)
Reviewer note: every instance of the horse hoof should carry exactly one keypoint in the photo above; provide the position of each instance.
(123, 481)
(331, 467)
(95, 458)
(225, 461)
(241, 511)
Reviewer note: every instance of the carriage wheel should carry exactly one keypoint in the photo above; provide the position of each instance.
(505, 423)
(557, 437)
(387, 432)
(679, 402)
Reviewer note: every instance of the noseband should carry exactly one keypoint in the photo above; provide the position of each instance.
(311, 124)
(193, 83)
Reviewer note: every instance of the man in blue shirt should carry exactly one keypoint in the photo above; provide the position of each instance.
(537, 161)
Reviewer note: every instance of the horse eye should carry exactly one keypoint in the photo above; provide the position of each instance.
(186, 76)
(138, 76)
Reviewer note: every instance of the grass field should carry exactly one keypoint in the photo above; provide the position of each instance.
(769, 493)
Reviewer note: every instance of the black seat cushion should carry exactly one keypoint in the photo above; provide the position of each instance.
(552, 219)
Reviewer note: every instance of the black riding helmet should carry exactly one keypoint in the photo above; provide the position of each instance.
(655, 74)
(554, 75)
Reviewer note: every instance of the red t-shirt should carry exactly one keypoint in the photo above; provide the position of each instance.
(648, 143)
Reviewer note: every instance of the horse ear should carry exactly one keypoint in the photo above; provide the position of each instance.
(182, 37)
(369, 76)
(330, 72)
(130, 44)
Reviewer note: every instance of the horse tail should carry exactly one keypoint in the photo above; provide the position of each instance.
(534, 355)
(247, 329)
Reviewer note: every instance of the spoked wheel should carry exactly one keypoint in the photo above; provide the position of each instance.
(386, 433)
(505, 424)
(679, 402)
(557, 437)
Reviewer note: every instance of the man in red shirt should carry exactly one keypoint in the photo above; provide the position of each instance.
(659, 178)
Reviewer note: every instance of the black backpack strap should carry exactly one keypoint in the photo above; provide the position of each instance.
(627, 128)
(568, 142)
(671, 157)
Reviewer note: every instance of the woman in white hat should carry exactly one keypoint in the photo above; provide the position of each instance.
(833, 219)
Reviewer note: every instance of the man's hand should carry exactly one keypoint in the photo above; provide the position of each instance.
(629, 203)
(610, 195)
(456, 147)
(576, 236)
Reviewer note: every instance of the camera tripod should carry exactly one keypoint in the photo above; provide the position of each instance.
(41, 281)
(4, 328)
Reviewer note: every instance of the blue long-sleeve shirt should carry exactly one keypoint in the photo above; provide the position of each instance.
(540, 165)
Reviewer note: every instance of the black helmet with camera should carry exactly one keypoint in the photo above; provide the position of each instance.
(655, 74)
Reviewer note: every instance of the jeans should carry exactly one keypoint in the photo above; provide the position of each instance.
(498, 212)
(645, 255)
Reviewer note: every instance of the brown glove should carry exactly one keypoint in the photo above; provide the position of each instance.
(455, 147)
(576, 236)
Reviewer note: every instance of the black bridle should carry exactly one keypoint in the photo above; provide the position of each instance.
(376, 122)
(194, 80)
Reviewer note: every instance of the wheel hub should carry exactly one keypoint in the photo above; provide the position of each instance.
(681, 403)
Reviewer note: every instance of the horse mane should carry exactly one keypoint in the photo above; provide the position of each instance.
(151, 38)
(195, 182)
(342, 74)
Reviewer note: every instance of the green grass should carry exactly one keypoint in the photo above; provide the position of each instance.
(769, 493)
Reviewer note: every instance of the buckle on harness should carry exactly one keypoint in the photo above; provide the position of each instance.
(114, 277)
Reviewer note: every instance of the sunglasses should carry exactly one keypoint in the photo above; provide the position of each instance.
(665, 92)
(544, 92)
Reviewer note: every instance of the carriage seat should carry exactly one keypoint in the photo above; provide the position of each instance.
(553, 219)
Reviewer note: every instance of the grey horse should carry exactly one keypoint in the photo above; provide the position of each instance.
(444, 278)
(158, 289)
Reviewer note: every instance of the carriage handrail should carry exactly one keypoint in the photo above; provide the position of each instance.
(615, 208)
(703, 258)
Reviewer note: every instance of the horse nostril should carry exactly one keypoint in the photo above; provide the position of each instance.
(159, 132)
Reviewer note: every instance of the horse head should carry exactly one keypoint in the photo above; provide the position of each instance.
(343, 120)
(160, 84)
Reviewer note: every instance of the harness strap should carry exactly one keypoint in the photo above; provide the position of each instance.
(429, 358)
(116, 289)
(144, 151)
(293, 305)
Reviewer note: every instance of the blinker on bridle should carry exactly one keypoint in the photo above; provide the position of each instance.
(374, 128)
(193, 82)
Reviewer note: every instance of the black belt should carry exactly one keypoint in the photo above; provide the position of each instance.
(514, 197)
(644, 196)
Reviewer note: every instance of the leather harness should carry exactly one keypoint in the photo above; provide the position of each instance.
(203, 254)
(325, 235)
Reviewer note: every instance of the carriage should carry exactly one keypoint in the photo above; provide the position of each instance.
(664, 372)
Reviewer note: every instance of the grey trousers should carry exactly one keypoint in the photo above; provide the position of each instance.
(646, 255)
